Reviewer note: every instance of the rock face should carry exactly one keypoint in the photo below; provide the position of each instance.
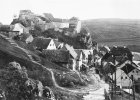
(30, 20)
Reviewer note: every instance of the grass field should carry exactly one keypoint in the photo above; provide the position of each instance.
(120, 32)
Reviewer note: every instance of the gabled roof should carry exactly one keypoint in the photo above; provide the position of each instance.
(128, 66)
(41, 42)
(70, 49)
(19, 25)
(119, 51)
(57, 43)
(25, 36)
(5, 27)
(56, 55)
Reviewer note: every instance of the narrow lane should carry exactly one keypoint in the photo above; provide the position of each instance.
(98, 94)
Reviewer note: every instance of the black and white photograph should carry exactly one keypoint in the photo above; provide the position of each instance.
(69, 49)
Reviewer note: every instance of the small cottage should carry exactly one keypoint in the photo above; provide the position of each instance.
(58, 45)
(73, 55)
(19, 27)
(75, 24)
(27, 38)
(87, 56)
(122, 79)
(41, 43)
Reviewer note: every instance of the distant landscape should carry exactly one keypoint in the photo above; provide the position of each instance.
(122, 32)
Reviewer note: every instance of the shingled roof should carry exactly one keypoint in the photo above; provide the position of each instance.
(71, 50)
(41, 42)
(128, 67)
(59, 56)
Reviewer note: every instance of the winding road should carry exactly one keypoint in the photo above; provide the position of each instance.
(97, 94)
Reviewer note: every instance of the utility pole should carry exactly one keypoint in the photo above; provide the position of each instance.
(112, 87)
(114, 61)
(133, 87)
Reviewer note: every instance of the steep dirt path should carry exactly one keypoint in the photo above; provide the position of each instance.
(98, 94)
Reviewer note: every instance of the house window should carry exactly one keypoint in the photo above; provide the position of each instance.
(121, 77)
(133, 71)
(137, 72)
(131, 76)
(125, 77)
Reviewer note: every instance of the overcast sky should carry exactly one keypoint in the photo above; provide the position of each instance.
(84, 9)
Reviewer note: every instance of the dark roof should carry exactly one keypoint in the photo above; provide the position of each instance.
(106, 56)
(57, 43)
(56, 55)
(70, 49)
(128, 67)
(5, 28)
(49, 16)
(25, 36)
(119, 51)
(109, 68)
(41, 42)
(121, 54)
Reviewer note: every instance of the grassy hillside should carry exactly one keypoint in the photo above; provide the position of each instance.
(41, 71)
(114, 31)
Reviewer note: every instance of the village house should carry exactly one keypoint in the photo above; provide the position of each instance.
(84, 58)
(60, 23)
(133, 71)
(27, 38)
(87, 56)
(41, 43)
(59, 57)
(75, 24)
(55, 23)
(73, 56)
(122, 79)
(58, 45)
(19, 27)
(7, 30)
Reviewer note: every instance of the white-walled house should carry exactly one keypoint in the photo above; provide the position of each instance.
(78, 27)
(75, 23)
(51, 45)
(27, 38)
(131, 69)
(122, 79)
(86, 55)
(41, 43)
(73, 55)
(20, 28)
